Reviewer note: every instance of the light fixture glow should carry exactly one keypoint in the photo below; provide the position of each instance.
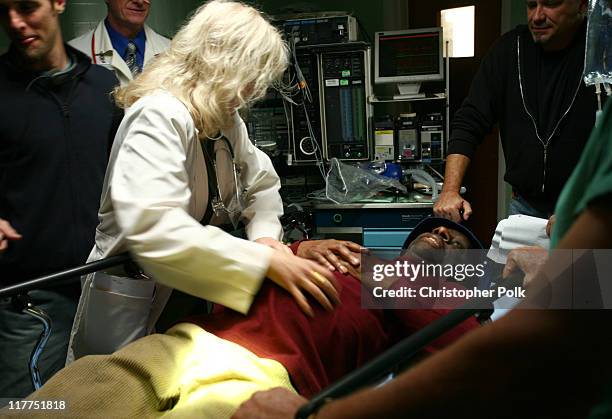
(458, 27)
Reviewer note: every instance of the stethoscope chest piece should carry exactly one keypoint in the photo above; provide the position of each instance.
(210, 155)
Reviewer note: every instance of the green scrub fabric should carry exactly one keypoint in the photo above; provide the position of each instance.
(590, 180)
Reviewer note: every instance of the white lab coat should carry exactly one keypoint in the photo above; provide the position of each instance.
(96, 44)
(155, 191)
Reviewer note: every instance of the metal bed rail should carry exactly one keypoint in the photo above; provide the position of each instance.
(22, 302)
(52, 279)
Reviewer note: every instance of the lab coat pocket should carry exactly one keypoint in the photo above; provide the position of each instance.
(116, 313)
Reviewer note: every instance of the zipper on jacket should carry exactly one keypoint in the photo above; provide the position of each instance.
(545, 159)
(533, 121)
(64, 106)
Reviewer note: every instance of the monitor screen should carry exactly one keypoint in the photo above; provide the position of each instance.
(408, 56)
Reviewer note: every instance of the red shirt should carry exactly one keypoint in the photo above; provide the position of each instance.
(317, 352)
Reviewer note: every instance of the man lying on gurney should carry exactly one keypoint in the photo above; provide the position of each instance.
(209, 365)
(530, 363)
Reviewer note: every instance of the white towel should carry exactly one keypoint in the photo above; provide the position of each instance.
(517, 231)
(510, 233)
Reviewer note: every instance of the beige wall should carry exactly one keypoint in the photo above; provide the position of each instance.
(81, 15)
(167, 15)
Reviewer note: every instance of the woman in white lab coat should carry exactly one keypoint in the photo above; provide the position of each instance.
(156, 190)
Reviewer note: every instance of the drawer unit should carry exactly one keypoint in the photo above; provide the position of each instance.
(376, 226)
(384, 238)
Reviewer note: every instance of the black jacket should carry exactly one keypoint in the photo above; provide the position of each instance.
(495, 98)
(55, 133)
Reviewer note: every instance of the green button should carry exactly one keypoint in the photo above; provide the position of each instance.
(346, 73)
(344, 82)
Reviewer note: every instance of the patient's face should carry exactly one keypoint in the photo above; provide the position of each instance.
(433, 246)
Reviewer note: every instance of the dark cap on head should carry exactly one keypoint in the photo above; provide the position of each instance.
(428, 224)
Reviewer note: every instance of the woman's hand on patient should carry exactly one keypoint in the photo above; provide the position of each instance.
(343, 256)
(274, 244)
(297, 275)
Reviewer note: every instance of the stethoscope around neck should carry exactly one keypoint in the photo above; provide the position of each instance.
(93, 50)
(95, 54)
(215, 200)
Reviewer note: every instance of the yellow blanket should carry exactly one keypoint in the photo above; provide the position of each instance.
(184, 373)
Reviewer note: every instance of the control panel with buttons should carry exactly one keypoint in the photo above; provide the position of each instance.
(346, 111)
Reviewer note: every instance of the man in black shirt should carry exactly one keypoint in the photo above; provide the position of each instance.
(56, 126)
(530, 83)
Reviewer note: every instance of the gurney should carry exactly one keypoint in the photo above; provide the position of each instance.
(520, 231)
(372, 371)
(396, 355)
(292, 220)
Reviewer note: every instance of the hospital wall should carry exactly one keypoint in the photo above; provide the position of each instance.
(167, 15)
(82, 15)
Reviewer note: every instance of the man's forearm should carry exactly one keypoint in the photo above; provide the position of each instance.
(456, 166)
(508, 369)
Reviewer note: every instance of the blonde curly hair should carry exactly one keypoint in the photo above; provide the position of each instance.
(224, 57)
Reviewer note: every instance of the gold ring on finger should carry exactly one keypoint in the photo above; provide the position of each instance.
(319, 279)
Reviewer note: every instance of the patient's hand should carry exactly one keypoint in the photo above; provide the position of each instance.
(277, 403)
(550, 225)
(344, 256)
(296, 275)
(274, 244)
(528, 260)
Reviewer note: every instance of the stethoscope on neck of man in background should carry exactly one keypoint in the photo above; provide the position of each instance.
(102, 58)
(101, 55)
(95, 54)
(216, 205)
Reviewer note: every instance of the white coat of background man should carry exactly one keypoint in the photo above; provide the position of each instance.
(109, 43)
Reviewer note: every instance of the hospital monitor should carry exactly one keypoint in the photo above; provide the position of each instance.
(407, 58)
